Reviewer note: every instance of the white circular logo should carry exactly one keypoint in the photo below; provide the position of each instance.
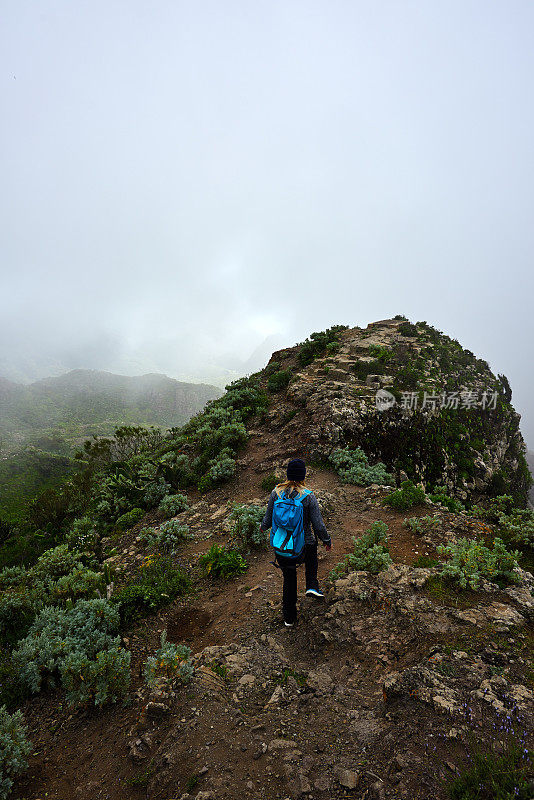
(384, 399)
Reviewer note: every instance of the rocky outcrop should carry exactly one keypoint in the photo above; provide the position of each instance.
(441, 415)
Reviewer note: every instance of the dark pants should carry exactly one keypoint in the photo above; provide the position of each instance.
(289, 571)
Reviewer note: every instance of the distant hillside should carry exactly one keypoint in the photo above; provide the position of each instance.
(83, 402)
(42, 424)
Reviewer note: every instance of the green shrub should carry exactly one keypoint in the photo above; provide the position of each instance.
(129, 519)
(439, 495)
(157, 489)
(494, 508)
(102, 679)
(408, 329)
(220, 469)
(157, 584)
(82, 535)
(171, 662)
(220, 562)
(14, 749)
(173, 504)
(118, 494)
(518, 527)
(167, 538)
(12, 576)
(17, 612)
(471, 561)
(12, 691)
(317, 343)
(353, 466)
(422, 525)
(370, 552)
(269, 482)
(55, 563)
(80, 583)
(407, 496)
(495, 776)
(57, 633)
(380, 352)
(278, 380)
(246, 528)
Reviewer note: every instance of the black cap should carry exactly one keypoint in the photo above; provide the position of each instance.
(296, 470)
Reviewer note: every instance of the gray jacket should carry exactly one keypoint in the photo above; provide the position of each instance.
(312, 518)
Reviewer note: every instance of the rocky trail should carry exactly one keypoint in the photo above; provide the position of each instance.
(373, 695)
(364, 698)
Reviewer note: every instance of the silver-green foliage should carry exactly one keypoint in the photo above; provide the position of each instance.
(247, 518)
(518, 527)
(82, 535)
(221, 468)
(171, 661)
(167, 538)
(57, 576)
(470, 562)
(353, 466)
(173, 504)
(56, 634)
(102, 679)
(155, 490)
(422, 525)
(370, 552)
(14, 748)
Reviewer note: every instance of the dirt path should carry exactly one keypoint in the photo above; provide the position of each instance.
(218, 741)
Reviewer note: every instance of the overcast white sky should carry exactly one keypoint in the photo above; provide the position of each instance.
(180, 180)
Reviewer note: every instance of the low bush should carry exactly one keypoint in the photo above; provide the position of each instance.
(353, 466)
(167, 538)
(278, 380)
(502, 775)
(157, 489)
(221, 562)
(79, 583)
(408, 329)
(422, 525)
(494, 508)
(171, 662)
(471, 561)
(157, 584)
(17, 612)
(220, 469)
(99, 680)
(129, 519)
(407, 496)
(269, 482)
(518, 527)
(439, 495)
(14, 749)
(246, 527)
(82, 535)
(55, 563)
(317, 343)
(370, 552)
(58, 634)
(173, 504)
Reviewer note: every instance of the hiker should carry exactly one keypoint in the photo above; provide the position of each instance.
(294, 487)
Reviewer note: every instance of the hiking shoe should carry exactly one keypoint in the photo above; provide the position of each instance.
(289, 624)
(315, 593)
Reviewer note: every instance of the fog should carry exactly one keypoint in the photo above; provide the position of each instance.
(182, 180)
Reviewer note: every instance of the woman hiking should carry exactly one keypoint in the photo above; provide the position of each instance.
(294, 487)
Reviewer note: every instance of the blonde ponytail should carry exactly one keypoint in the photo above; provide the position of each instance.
(300, 486)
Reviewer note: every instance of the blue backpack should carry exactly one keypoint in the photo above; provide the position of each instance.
(287, 529)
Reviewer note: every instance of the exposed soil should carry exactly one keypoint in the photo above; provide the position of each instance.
(219, 739)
